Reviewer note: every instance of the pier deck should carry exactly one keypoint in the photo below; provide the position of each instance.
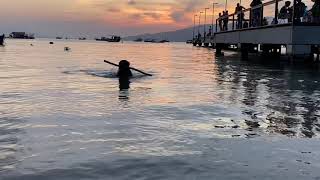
(299, 38)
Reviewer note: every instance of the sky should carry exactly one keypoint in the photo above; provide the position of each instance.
(102, 17)
(97, 17)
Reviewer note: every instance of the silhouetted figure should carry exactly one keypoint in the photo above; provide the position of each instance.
(210, 31)
(240, 15)
(315, 12)
(2, 40)
(265, 22)
(286, 12)
(256, 13)
(299, 10)
(225, 20)
(220, 22)
(245, 25)
(124, 74)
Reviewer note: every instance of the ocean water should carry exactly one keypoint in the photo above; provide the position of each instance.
(200, 117)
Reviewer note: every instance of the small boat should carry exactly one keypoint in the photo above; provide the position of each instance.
(112, 39)
(150, 40)
(138, 40)
(21, 35)
(82, 39)
(58, 37)
(189, 41)
(164, 41)
(2, 40)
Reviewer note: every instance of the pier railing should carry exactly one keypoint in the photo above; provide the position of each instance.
(265, 14)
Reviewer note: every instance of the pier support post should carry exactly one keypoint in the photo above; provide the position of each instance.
(244, 48)
(219, 49)
(299, 51)
(316, 50)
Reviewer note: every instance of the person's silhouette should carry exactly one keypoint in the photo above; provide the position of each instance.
(124, 74)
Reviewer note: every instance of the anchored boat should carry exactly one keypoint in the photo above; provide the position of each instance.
(2, 40)
(112, 39)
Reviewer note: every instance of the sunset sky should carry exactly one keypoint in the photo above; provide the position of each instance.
(98, 17)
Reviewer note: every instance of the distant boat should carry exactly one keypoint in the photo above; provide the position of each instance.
(58, 37)
(2, 40)
(112, 39)
(21, 35)
(138, 40)
(189, 41)
(150, 40)
(164, 41)
(83, 38)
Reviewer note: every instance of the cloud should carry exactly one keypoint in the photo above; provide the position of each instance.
(118, 14)
(132, 2)
(178, 16)
(113, 10)
(155, 16)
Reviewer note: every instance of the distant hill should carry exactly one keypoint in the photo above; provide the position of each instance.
(181, 35)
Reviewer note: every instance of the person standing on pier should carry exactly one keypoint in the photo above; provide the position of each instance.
(220, 22)
(256, 13)
(240, 15)
(225, 20)
(286, 12)
(315, 12)
(210, 31)
(299, 10)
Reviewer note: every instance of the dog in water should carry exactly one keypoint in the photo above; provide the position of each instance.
(124, 74)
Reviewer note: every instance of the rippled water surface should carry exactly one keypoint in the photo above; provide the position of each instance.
(62, 115)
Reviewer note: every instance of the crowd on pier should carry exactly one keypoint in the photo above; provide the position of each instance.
(287, 13)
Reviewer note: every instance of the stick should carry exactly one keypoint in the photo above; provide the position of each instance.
(147, 74)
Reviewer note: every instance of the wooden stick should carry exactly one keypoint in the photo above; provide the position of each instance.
(147, 74)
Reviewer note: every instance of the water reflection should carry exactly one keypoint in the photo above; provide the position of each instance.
(281, 95)
(124, 95)
(124, 84)
(9, 142)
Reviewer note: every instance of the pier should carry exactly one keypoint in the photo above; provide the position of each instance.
(269, 34)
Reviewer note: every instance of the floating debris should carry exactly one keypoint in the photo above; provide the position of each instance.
(306, 152)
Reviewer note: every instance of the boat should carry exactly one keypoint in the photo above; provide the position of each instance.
(164, 41)
(189, 41)
(2, 40)
(83, 38)
(21, 35)
(112, 39)
(138, 40)
(150, 40)
(58, 37)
